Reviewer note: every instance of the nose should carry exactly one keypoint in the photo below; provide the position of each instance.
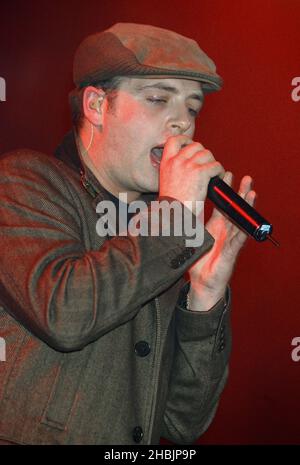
(179, 123)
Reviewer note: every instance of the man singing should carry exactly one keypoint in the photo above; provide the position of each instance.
(121, 339)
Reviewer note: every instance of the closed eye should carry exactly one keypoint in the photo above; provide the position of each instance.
(193, 113)
(156, 100)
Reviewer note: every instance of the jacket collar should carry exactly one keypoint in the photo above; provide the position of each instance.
(69, 153)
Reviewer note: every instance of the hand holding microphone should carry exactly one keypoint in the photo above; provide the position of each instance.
(186, 165)
(192, 173)
(186, 169)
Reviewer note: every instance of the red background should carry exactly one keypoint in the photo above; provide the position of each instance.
(252, 127)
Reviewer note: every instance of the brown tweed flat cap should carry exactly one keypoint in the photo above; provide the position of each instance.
(138, 50)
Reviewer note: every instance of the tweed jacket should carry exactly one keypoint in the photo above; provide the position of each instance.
(98, 349)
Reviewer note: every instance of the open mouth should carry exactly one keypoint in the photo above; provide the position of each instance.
(156, 155)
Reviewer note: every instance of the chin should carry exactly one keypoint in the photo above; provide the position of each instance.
(150, 184)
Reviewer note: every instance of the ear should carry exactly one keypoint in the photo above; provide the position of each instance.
(93, 104)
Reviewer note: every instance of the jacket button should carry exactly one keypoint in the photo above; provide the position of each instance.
(137, 434)
(142, 348)
(221, 347)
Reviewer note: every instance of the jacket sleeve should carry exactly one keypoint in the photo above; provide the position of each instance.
(199, 371)
(59, 290)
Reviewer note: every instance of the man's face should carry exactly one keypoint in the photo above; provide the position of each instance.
(145, 113)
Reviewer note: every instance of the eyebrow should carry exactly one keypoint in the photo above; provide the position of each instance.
(173, 90)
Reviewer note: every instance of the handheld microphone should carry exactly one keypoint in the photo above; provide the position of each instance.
(239, 211)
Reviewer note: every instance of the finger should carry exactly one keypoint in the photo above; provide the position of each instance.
(251, 198)
(214, 169)
(245, 186)
(228, 178)
(199, 157)
(174, 144)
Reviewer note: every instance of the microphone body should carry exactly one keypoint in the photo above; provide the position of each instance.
(238, 210)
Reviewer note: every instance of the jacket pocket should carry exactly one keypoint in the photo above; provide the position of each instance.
(64, 394)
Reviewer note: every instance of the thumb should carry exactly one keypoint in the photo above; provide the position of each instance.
(228, 178)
